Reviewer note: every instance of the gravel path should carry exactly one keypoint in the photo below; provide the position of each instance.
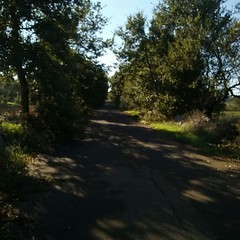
(124, 181)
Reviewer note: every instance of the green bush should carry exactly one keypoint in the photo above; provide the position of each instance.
(13, 133)
(13, 160)
(24, 136)
(59, 123)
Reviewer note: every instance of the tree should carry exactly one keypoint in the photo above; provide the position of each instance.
(186, 59)
(90, 83)
(51, 48)
(39, 34)
(221, 55)
(14, 48)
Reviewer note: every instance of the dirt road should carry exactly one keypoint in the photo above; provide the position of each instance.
(124, 181)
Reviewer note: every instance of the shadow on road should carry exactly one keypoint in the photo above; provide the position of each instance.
(126, 181)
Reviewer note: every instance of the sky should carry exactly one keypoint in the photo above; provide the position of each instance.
(118, 11)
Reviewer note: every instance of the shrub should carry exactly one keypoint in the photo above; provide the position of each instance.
(218, 130)
(13, 133)
(227, 129)
(13, 160)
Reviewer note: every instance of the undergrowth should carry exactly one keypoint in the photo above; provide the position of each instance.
(218, 136)
(15, 182)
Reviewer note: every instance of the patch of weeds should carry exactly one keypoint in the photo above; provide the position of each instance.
(13, 133)
(167, 126)
(16, 184)
(13, 159)
(178, 132)
(24, 135)
(218, 136)
(133, 113)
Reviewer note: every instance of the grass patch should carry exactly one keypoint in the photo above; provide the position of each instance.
(13, 160)
(136, 115)
(219, 136)
(171, 127)
(180, 133)
(13, 104)
(132, 113)
(12, 132)
(184, 134)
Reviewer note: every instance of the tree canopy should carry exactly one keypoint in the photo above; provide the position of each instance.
(50, 47)
(185, 58)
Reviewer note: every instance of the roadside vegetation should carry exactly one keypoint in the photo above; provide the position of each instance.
(16, 182)
(219, 136)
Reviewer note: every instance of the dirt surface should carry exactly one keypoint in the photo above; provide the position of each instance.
(124, 181)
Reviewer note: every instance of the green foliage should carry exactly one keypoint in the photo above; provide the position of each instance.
(59, 122)
(226, 129)
(90, 83)
(133, 113)
(12, 132)
(219, 130)
(14, 160)
(185, 135)
(15, 181)
(184, 59)
(219, 137)
(51, 48)
(15, 185)
(136, 115)
(25, 137)
(167, 126)
(117, 84)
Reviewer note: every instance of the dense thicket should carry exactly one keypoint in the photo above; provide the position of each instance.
(187, 57)
(49, 47)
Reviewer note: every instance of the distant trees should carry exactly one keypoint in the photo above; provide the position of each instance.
(186, 58)
(51, 47)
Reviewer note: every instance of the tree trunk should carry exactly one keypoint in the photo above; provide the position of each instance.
(18, 53)
(24, 90)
